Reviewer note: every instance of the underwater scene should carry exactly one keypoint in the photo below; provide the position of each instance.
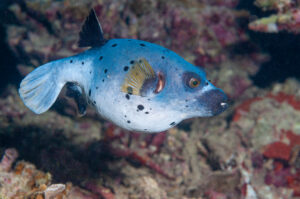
(150, 99)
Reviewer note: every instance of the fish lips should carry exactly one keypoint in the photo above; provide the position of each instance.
(214, 102)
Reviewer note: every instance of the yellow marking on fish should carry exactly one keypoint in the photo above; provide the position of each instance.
(136, 77)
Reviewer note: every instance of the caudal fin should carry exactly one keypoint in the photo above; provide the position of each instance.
(40, 88)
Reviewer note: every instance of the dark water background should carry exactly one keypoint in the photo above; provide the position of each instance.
(284, 49)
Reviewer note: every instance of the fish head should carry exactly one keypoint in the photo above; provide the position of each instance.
(187, 90)
(172, 89)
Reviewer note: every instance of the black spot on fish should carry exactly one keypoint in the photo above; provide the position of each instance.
(127, 96)
(132, 62)
(128, 121)
(97, 87)
(90, 72)
(90, 92)
(129, 90)
(125, 116)
(172, 124)
(105, 71)
(95, 102)
(142, 45)
(102, 80)
(147, 112)
(163, 57)
(82, 63)
(186, 100)
(114, 45)
(71, 61)
(140, 107)
(149, 99)
(101, 57)
(186, 106)
(206, 83)
(126, 68)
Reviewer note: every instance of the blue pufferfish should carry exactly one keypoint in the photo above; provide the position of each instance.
(139, 86)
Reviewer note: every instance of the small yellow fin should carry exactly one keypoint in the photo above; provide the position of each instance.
(140, 71)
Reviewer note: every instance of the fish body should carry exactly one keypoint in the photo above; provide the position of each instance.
(139, 86)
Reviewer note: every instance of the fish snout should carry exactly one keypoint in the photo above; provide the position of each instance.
(215, 101)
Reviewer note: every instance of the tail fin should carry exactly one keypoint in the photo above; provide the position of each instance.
(40, 88)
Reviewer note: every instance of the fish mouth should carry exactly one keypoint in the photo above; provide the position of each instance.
(214, 101)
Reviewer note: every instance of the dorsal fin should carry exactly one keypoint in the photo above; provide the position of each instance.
(91, 33)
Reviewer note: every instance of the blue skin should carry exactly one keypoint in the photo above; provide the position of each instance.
(101, 79)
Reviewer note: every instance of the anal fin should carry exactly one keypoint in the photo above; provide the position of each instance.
(74, 91)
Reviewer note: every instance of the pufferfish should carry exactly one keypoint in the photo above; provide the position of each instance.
(137, 85)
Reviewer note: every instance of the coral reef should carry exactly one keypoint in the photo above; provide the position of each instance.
(256, 154)
(287, 17)
(25, 181)
(250, 151)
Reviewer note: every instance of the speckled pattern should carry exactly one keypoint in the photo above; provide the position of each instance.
(101, 72)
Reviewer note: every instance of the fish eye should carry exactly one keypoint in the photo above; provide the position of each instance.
(191, 79)
(194, 82)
